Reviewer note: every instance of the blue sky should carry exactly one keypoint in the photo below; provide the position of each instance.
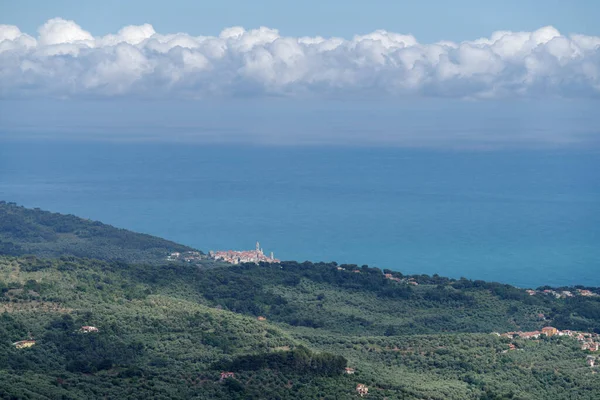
(428, 20)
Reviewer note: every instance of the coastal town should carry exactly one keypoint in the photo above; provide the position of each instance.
(229, 256)
(246, 256)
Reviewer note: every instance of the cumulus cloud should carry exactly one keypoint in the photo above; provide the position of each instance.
(65, 60)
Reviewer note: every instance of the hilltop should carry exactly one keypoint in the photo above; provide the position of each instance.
(45, 234)
(291, 330)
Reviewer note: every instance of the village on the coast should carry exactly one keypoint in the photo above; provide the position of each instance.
(246, 256)
(229, 256)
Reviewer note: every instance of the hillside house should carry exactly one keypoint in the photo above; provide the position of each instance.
(362, 390)
(392, 278)
(23, 344)
(88, 329)
(549, 331)
(591, 361)
(529, 335)
(591, 346)
(261, 318)
(586, 293)
(349, 371)
(226, 375)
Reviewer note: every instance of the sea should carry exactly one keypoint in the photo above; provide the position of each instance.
(526, 218)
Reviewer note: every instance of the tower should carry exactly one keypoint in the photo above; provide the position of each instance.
(257, 247)
(272, 256)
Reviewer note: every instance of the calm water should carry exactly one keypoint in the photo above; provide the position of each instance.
(525, 218)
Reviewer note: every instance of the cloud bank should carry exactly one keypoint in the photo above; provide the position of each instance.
(66, 61)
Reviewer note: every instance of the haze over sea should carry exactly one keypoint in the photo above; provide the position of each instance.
(527, 218)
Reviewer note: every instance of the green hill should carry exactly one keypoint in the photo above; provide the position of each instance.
(45, 234)
(168, 330)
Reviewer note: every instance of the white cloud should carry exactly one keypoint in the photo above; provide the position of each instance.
(60, 31)
(67, 61)
(129, 34)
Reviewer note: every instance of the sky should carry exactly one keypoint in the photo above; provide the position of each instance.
(494, 74)
(428, 20)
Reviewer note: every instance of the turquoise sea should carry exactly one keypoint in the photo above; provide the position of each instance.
(527, 218)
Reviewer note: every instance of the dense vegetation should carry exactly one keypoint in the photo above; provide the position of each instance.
(45, 234)
(168, 330)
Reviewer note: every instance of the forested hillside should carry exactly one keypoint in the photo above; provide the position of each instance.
(169, 331)
(45, 234)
